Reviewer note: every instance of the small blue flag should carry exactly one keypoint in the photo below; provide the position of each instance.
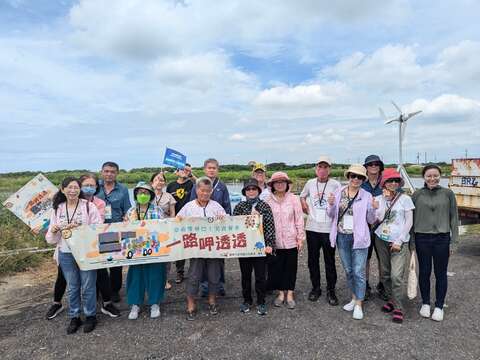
(174, 158)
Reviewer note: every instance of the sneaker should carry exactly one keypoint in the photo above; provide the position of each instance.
(291, 304)
(110, 310)
(262, 309)
(116, 297)
(314, 294)
(349, 306)
(397, 316)
(245, 307)
(134, 312)
(75, 323)
(191, 315)
(90, 324)
(53, 311)
(278, 302)
(179, 278)
(357, 312)
(437, 314)
(425, 311)
(332, 298)
(213, 309)
(388, 307)
(154, 311)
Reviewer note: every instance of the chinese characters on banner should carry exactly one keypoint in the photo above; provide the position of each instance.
(141, 242)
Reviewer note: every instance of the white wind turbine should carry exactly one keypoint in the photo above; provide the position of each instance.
(402, 125)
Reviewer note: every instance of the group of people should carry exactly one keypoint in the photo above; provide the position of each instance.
(371, 213)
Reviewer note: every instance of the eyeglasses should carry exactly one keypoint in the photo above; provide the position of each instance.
(356, 176)
(251, 188)
(374, 164)
(398, 181)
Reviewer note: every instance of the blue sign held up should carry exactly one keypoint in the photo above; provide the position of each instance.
(174, 158)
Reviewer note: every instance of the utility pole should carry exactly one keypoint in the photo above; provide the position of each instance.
(418, 158)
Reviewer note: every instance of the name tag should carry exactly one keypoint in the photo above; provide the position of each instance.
(320, 215)
(348, 222)
(108, 212)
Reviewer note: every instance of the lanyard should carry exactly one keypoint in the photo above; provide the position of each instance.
(215, 184)
(323, 191)
(144, 215)
(350, 202)
(107, 196)
(204, 208)
(74, 211)
(160, 199)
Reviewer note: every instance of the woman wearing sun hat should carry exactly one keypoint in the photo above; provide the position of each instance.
(392, 236)
(145, 278)
(351, 208)
(289, 238)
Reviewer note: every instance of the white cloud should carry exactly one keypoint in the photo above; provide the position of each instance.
(447, 105)
(237, 137)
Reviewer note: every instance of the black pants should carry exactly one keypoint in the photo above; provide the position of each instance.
(103, 285)
(434, 247)
(315, 242)
(256, 264)
(180, 265)
(116, 279)
(282, 271)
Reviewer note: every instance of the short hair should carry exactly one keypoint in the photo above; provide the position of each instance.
(204, 181)
(156, 174)
(111, 164)
(211, 160)
(90, 175)
(429, 167)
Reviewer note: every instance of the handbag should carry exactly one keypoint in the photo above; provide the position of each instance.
(412, 282)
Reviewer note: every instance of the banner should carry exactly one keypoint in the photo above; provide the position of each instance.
(33, 203)
(174, 158)
(150, 241)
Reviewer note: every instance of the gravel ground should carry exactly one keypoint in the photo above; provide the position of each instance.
(312, 331)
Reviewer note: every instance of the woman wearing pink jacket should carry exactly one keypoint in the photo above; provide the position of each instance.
(290, 236)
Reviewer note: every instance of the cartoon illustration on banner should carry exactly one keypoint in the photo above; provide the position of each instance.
(139, 242)
(33, 203)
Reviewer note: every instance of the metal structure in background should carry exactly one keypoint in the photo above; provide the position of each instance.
(465, 183)
(402, 125)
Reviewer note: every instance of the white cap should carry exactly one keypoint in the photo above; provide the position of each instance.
(324, 159)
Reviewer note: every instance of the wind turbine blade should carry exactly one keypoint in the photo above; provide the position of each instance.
(391, 120)
(397, 107)
(413, 114)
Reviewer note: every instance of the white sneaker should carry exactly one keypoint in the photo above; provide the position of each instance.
(154, 311)
(134, 312)
(349, 306)
(357, 312)
(425, 311)
(437, 314)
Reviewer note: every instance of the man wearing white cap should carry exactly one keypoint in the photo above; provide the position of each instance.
(314, 203)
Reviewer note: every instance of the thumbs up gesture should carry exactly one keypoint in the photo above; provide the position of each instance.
(331, 199)
(375, 204)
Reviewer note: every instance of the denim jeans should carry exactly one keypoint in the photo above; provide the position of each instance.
(354, 262)
(81, 286)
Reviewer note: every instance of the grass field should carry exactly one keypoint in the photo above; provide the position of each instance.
(14, 234)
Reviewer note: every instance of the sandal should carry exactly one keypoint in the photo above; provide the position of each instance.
(388, 307)
(397, 316)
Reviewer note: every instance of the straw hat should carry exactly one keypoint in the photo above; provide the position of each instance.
(356, 169)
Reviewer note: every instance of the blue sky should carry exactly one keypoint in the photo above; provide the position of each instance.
(82, 82)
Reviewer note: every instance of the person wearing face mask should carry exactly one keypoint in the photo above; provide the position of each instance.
(435, 225)
(351, 209)
(71, 210)
(314, 204)
(254, 205)
(145, 278)
(392, 230)
(180, 189)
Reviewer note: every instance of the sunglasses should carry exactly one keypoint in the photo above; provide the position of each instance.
(355, 176)
(374, 164)
(251, 188)
(398, 181)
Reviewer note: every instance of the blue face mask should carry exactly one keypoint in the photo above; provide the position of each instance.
(88, 190)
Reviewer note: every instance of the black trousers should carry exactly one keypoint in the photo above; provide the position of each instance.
(282, 270)
(315, 242)
(116, 279)
(103, 285)
(256, 264)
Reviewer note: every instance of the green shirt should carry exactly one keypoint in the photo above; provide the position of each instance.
(435, 211)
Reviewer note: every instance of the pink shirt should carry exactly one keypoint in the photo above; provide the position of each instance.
(100, 204)
(288, 218)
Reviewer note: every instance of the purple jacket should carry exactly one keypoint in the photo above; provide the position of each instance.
(363, 212)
